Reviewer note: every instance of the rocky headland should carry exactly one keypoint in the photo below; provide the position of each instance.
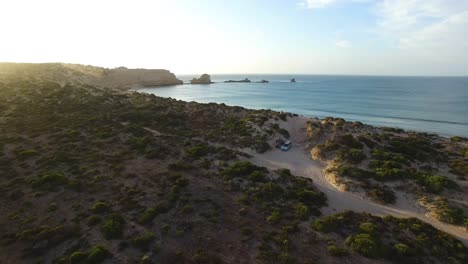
(63, 73)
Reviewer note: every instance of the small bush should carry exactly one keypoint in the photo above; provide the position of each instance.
(143, 240)
(401, 249)
(274, 217)
(49, 180)
(77, 257)
(327, 224)
(26, 154)
(356, 156)
(97, 255)
(100, 207)
(113, 226)
(367, 227)
(336, 251)
(364, 244)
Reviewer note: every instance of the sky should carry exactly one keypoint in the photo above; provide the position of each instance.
(363, 37)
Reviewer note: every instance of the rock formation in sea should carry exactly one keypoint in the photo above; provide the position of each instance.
(263, 81)
(246, 80)
(293, 80)
(204, 79)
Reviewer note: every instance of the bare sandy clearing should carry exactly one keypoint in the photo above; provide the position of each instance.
(297, 160)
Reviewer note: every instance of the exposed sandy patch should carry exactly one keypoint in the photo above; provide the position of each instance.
(298, 160)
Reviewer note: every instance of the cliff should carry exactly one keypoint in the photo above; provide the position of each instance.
(62, 73)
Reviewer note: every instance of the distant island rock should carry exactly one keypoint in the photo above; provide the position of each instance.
(293, 80)
(204, 79)
(263, 81)
(246, 80)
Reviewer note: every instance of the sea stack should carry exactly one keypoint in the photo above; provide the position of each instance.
(293, 80)
(204, 79)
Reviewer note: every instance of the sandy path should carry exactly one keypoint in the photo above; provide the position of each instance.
(299, 162)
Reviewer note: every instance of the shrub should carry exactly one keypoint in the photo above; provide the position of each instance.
(113, 226)
(355, 156)
(199, 151)
(367, 227)
(143, 240)
(284, 173)
(301, 212)
(258, 176)
(337, 251)
(242, 168)
(327, 224)
(261, 146)
(382, 194)
(364, 244)
(388, 173)
(433, 183)
(26, 154)
(77, 257)
(459, 167)
(457, 139)
(49, 180)
(97, 255)
(284, 132)
(274, 217)
(93, 220)
(148, 216)
(349, 141)
(401, 249)
(100, 207)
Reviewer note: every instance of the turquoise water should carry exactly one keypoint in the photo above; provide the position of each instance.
(431, 104)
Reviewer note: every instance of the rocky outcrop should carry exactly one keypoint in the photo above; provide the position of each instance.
(263, 81)
(62, 73)
(133, 78)
(246, 80)
(204, 79)
(293, 80)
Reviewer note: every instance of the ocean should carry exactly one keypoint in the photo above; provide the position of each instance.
(429, 104)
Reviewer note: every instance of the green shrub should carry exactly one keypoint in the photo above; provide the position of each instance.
(97, 255)
(113, 226)
(143, 240)
(457, 139)
(349, 141)
(100, 207)
(328, 224)
(284, 132)
(401, 249)
(258, 176)
(93, 220)
(364, 244)
(459, 167)
(433, 183)
(367, 227)
(356, 156)
(336, 251)
(301, 212)
(26, 154)
(148, 216)
(77, 257)
(49, 180)
(382, 194)
(274, 217)
(242, 168)
(199, 151)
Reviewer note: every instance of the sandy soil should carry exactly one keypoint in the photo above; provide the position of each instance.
(298, 160)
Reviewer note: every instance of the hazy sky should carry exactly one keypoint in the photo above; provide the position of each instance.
(387, 37)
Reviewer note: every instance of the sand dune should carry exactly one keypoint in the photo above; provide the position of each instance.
(297, 160)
